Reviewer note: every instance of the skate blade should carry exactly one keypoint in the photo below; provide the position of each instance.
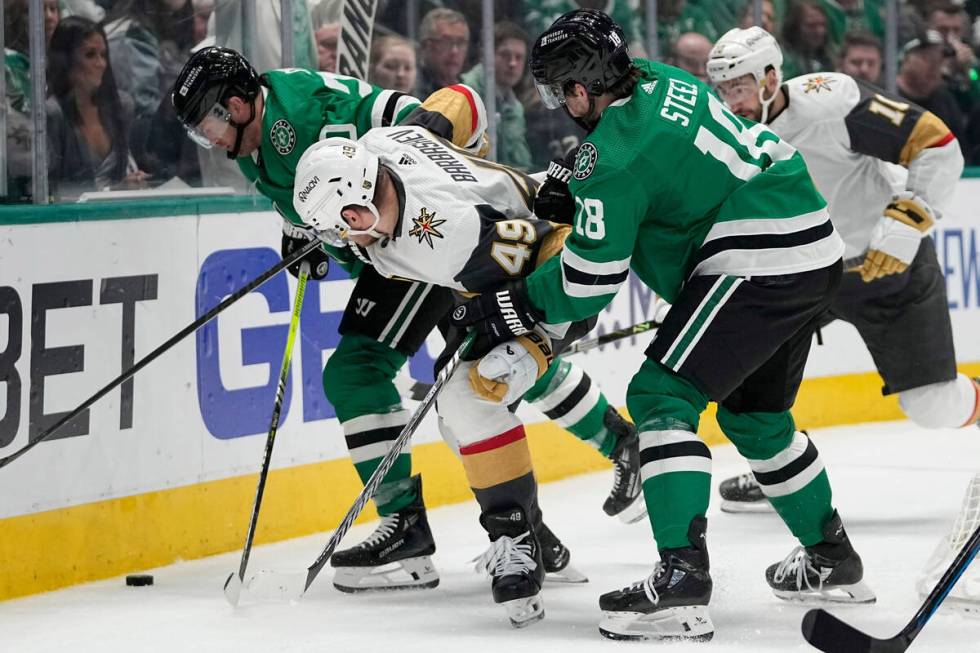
(858, 593)
(746, 506)
(568, 574)
(409, 574)
(635, 511)
(687, 623)
(524, 612)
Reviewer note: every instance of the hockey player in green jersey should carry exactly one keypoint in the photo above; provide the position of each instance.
(265, 123)
(720, 218)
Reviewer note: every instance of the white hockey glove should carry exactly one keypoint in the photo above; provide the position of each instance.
(896, 237)
(509, 370)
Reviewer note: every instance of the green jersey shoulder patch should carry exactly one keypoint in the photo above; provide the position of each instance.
(585, 160)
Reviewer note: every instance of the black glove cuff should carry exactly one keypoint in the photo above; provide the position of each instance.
(558, 171)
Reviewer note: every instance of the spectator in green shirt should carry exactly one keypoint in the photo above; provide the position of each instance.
(510, 63)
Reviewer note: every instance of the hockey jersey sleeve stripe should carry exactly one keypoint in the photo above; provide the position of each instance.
(387, 107)
(577, 262)
(929, 131)
(466, 92)
(457, 106)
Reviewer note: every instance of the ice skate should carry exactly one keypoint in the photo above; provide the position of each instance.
(396, 556)
(670, 604)
(743, 494)
(828, 572)
(625, 500)
(556, 558)
(514, 564)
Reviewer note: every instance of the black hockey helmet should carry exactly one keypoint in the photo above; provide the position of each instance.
(584, 46)
(209, 78)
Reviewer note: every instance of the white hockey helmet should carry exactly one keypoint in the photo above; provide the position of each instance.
(748, 51)
(331, 174)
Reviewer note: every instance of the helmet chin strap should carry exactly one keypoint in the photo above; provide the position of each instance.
(587, 122)
(373, 229)
(240, 131)
(766, 103)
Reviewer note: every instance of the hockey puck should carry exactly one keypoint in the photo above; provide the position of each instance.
(139, 580)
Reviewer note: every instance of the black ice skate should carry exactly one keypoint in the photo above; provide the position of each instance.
(626, 497)
(556, 558)
(828, 572)
(743, 494)
(394, 557)
(671, 604)
(514, 564)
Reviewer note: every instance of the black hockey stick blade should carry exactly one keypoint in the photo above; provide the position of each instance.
(831, 635)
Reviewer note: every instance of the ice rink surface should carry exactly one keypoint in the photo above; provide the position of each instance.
(897, 487)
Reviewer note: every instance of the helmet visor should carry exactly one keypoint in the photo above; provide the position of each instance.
(552, 95)
(737, 90)
(214, 125)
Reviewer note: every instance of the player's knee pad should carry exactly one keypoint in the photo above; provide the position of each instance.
(358, 377)
(658, 398)
(469, 418)
(948, 404)
(509, 370)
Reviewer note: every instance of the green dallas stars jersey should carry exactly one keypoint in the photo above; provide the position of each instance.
(304, 106)
(671, 184)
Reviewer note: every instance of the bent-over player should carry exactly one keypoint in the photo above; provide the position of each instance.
(265, 122)
(415, 207)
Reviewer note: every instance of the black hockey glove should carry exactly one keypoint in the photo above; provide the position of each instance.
(498, 316)
(554, 201)
(318, 259)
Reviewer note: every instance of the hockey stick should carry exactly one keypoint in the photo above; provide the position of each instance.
(585, 345)
(418, 389)
(153, 355)
(292, 586)
(233, 586)
(828, 633)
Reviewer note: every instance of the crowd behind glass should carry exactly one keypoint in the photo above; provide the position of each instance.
(110, 65)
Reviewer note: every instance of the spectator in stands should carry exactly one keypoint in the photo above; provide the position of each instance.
(510, 59)
(952, 22)
(444, 39)
(768, 16)
(920, 78)
(202, 14)
(393, 63)
(149, 40)
(540, 14)
(326, 37)
(861, 56)
(804, 40)
(52, 14)
(87, 142)
(690, 53)
(675, 17)
(17, 70)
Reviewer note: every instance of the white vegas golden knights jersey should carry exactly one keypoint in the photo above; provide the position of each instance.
(463, 223)
(862, 146)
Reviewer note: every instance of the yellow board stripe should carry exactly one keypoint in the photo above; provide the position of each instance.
(58, 548)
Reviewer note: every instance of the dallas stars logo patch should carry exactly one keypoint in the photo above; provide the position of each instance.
(283, 136)
(585, 161)
(425, 228)
(817, 83)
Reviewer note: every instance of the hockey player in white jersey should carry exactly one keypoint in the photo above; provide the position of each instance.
(887, 169)
(415, 207)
